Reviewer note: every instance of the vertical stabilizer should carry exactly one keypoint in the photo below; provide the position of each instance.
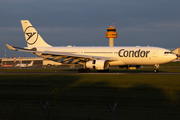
(31, 64)
(32, 37)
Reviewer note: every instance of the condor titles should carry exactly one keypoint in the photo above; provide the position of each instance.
(132, 53)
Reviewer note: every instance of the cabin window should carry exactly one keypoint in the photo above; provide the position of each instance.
(167, 52)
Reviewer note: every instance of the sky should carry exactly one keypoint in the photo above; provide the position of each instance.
(85, 22)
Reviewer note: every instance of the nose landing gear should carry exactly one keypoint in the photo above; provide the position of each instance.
(156, 68)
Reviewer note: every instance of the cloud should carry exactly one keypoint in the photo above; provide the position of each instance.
(167, 25)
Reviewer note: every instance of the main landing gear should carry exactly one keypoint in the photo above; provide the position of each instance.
(156, 68)
(83, 70)
(103, 71)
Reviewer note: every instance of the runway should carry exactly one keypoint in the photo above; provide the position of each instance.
(73, 73)
(65, 70)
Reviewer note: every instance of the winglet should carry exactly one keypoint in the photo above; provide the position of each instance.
(10, 47)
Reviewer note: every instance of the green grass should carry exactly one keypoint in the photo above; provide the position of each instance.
(86, 97)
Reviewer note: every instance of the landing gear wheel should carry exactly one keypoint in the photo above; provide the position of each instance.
(82, 70)
(155, 70)
(103, 70)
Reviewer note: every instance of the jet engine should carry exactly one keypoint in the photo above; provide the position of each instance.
(98, 64)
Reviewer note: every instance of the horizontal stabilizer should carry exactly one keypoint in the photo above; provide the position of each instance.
(10, 47)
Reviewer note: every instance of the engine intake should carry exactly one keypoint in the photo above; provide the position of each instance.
(98, 64)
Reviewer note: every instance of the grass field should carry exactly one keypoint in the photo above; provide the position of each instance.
(86, 97)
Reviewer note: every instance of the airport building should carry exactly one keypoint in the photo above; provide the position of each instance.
(177, 52)
(38, 61)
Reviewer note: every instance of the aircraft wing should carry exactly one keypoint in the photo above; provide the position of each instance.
(61, 56)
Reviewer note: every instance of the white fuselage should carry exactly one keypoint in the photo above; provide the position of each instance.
(21, 65)
(124, 55)
(25, 65)
(98, 58)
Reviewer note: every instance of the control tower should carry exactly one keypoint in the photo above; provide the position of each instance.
(111, 34)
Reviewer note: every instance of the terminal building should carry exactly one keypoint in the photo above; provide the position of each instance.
(38, 61)
(177, 52)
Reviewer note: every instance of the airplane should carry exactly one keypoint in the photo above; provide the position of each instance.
(98, 58)
(25, 65)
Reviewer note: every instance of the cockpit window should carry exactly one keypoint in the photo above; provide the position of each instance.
(167, 52)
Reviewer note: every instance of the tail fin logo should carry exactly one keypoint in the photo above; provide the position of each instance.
(31, 35)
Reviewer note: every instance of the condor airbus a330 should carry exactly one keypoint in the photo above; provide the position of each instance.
(99, 58)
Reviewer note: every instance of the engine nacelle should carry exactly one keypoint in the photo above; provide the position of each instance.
(98, 64)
